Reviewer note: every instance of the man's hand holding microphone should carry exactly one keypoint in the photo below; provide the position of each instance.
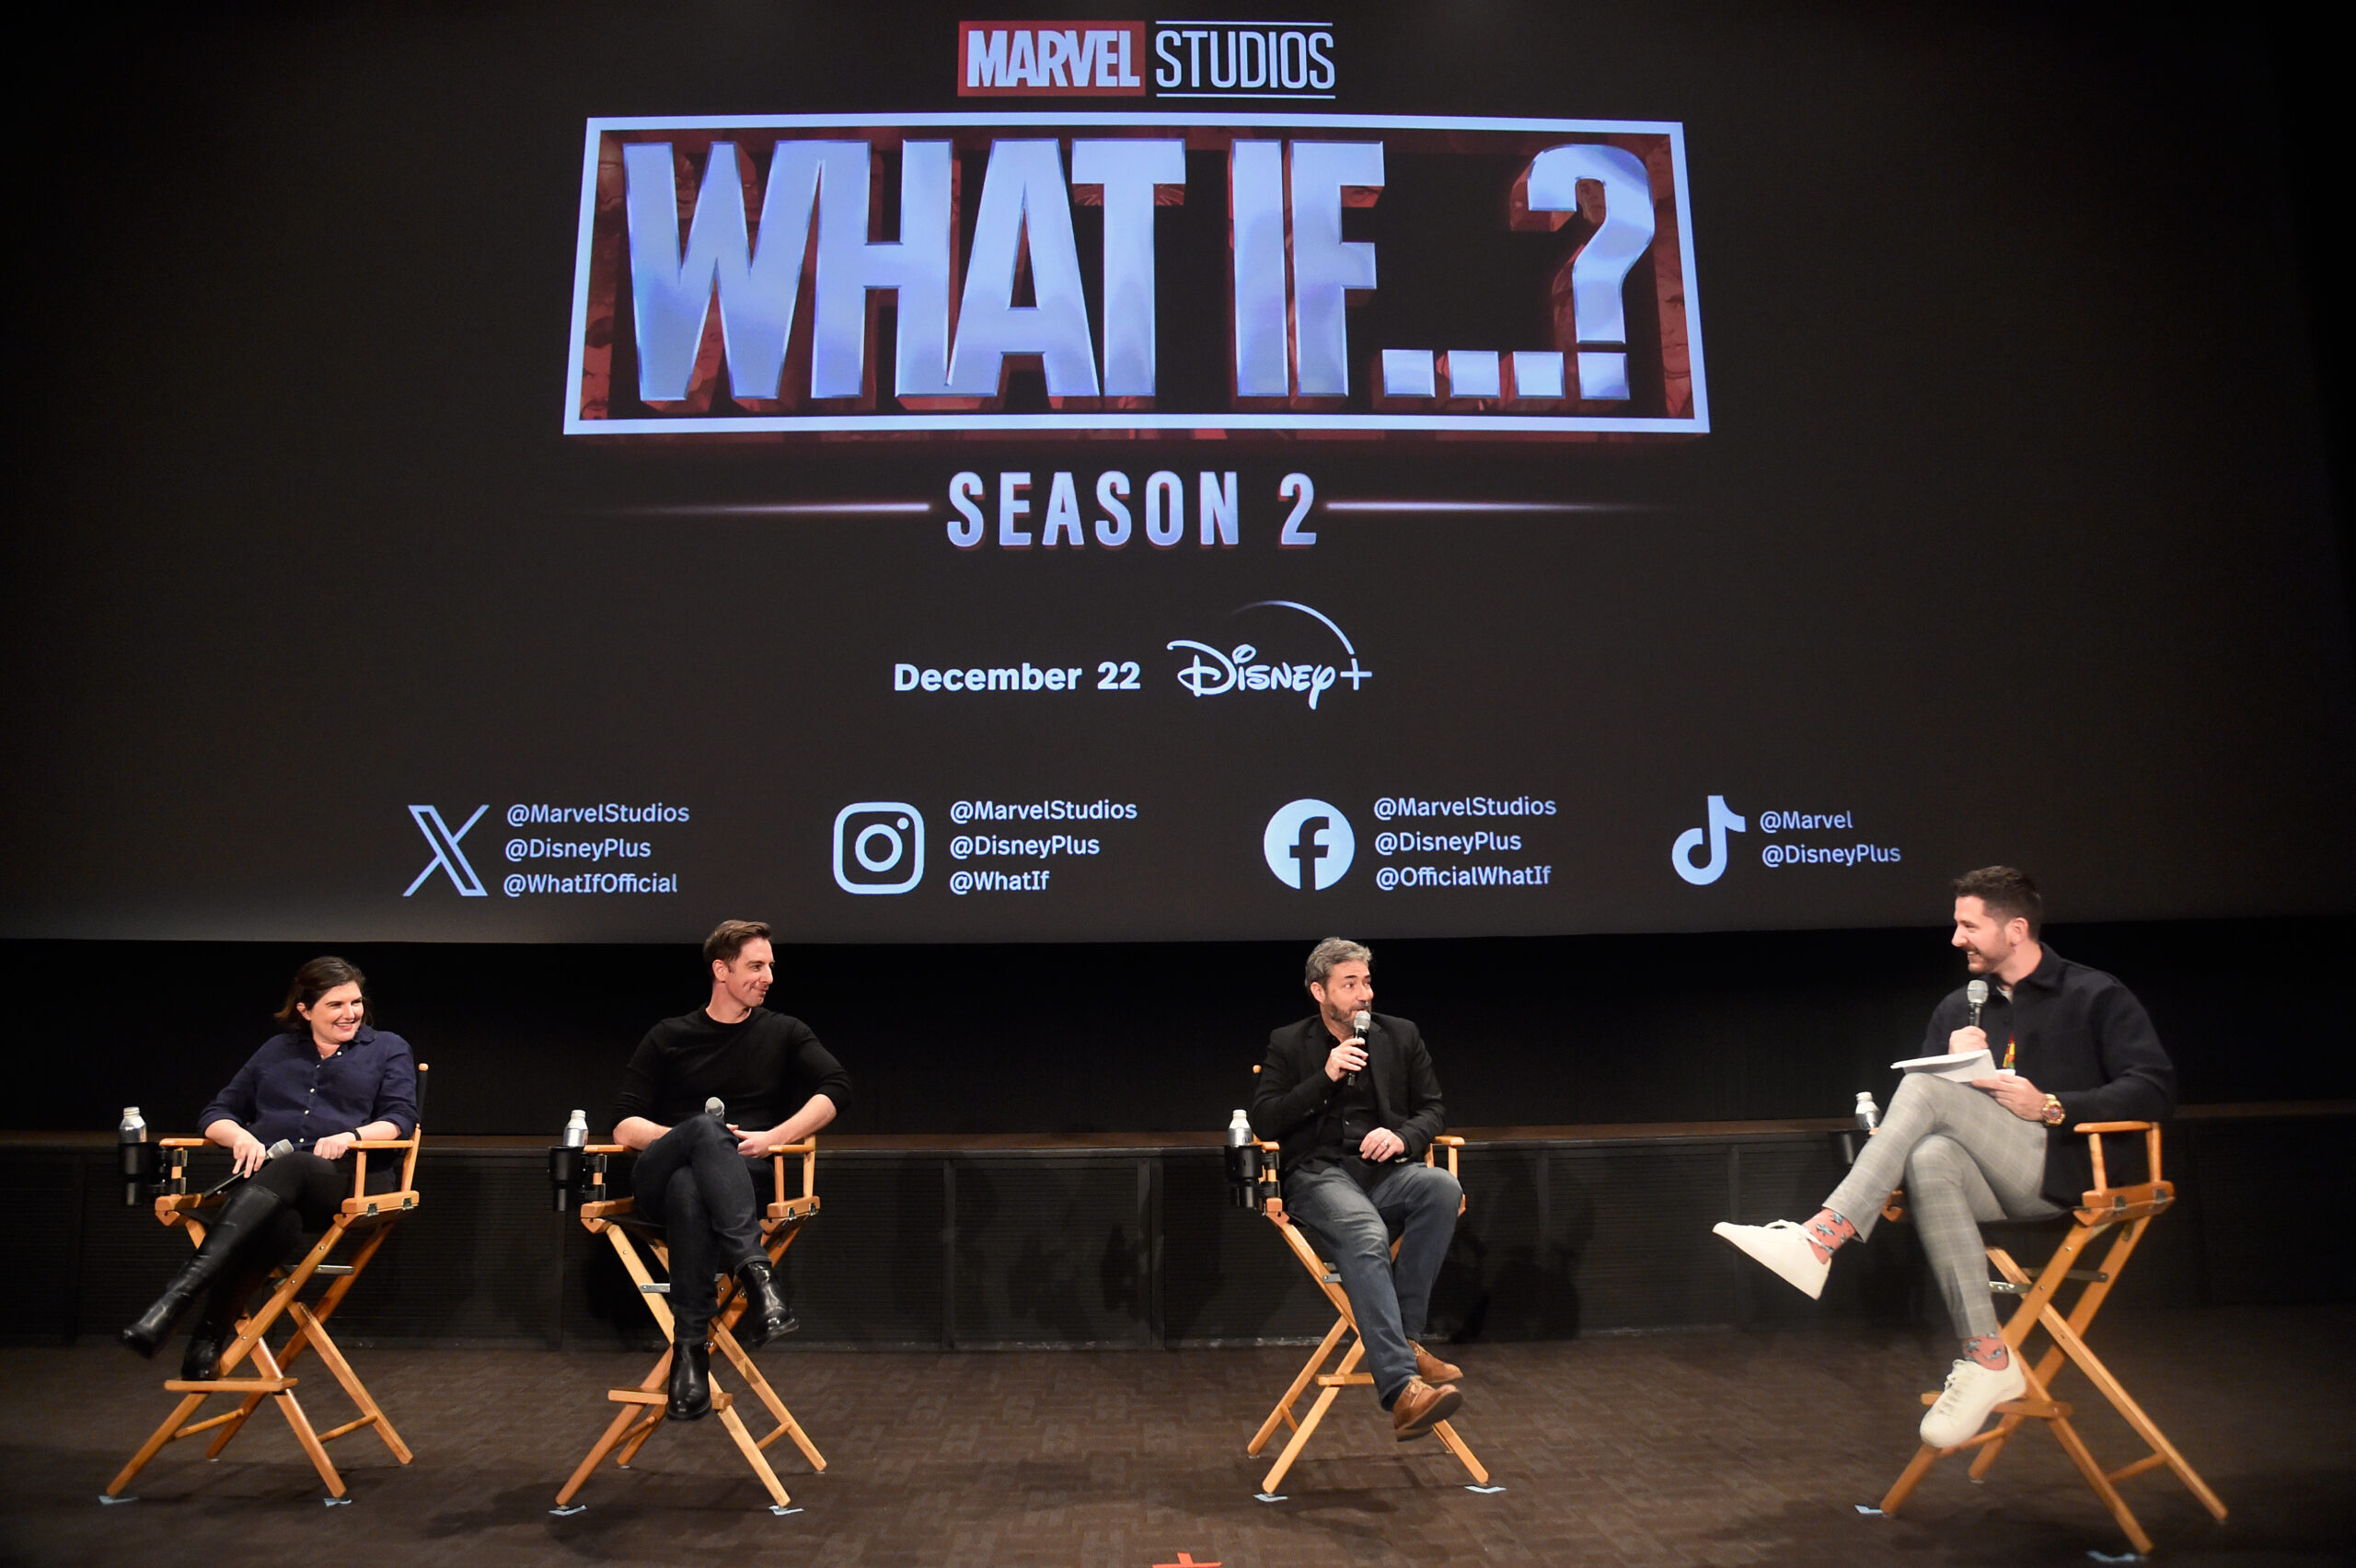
(1347, 1059)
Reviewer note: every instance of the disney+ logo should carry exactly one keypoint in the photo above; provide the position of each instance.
(1215, 672)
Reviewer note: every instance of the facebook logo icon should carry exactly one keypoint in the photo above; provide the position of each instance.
(1308, 844)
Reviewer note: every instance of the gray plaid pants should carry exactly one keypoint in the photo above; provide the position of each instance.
(1966, 1161)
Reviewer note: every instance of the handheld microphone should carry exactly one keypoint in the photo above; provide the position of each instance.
(1977, 994)
(1361, 1022)
(284, 1145)
(717, 1108)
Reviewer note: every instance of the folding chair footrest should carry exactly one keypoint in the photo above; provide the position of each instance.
(231, 1386)
(720, 1398)
(1346, 1379)
(2044, 1410)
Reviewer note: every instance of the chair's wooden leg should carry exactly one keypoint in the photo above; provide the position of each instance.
(638, 1436)
(786, 1425)
(332, 1298)
(155, 1444)
(2069, 1338)
(2083, 1355)
(1299, 1438)
(2067, 1435)
(2034, 1302)
(1324, 1402)
(251, 1339)
(1456, 1446)
(753, 1454)
(1283, 1412)
(636, 1268)
(1993, 1444)
(316, 1332)
(1909, 1479)
(235, 1421)
(303, 1434)
(604, 1445)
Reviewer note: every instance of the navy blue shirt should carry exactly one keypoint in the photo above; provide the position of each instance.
(289, 1090)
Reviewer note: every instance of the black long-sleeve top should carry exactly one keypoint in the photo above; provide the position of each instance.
(288, 1089)
(2081, 1037)
(766, 1068)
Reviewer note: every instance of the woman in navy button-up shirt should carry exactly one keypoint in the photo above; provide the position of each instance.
(327, 1083)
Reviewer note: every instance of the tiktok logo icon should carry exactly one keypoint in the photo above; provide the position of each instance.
(1308, 844)
(1680, 854)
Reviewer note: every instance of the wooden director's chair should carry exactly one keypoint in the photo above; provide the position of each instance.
(2105, 1207)
(365, 1218)
(642, 1407)
(1344, 1373)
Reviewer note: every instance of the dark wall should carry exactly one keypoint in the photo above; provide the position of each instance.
(1138, 1037)
(1140, 1247)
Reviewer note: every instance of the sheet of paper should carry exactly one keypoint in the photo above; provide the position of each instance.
(1960, 1066)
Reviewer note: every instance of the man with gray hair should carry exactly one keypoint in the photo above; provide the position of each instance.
(1349, 1097)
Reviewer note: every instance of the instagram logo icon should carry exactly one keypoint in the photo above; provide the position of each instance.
(879, 846)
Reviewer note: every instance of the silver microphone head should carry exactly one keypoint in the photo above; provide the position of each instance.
(1977, 993)
(716, 1108)
(1361, 1022)
(284, 1145)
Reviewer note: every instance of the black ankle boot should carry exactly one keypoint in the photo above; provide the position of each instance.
(691, 1380)
(766, 1315)
(249, 1209)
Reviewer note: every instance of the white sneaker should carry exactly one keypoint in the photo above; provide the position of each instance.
(1784, 1248)
(1972, 1391)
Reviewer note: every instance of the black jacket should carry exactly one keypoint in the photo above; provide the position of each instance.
(2081, 1037)
(1290, 1098)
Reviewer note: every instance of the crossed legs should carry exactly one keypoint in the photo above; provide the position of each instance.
(1965, 1161)
(253, 1229)
(705, 1194)
(692, 1183)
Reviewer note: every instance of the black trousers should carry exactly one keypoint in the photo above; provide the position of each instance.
(309, 1191)
(692, 1181)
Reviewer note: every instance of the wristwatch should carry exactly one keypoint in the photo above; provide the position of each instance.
(2053, 1114)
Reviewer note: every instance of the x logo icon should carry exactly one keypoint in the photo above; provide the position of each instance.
(447, 856)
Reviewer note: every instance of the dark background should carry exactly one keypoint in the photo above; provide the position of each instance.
(232, 540)
(1152, 1037)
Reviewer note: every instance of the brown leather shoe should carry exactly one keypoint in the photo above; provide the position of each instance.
(1420, 1405)
(1431, 1368)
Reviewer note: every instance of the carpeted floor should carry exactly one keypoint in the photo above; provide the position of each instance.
(1689, 1448)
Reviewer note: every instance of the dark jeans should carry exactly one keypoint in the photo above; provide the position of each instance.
(1388, 1299)
(705, 1195)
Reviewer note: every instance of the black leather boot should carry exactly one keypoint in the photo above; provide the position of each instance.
(212, 1332)
(247, 1211)
(766, 1315)
(691, 1379)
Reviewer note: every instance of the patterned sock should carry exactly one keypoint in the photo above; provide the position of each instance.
(1990, 1351)
(1827, 1231)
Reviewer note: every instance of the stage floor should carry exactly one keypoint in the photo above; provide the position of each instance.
(1720, 1447)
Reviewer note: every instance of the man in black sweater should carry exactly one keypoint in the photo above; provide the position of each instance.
(2066, 1044)
(699, 1177)
(1352, 1110)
